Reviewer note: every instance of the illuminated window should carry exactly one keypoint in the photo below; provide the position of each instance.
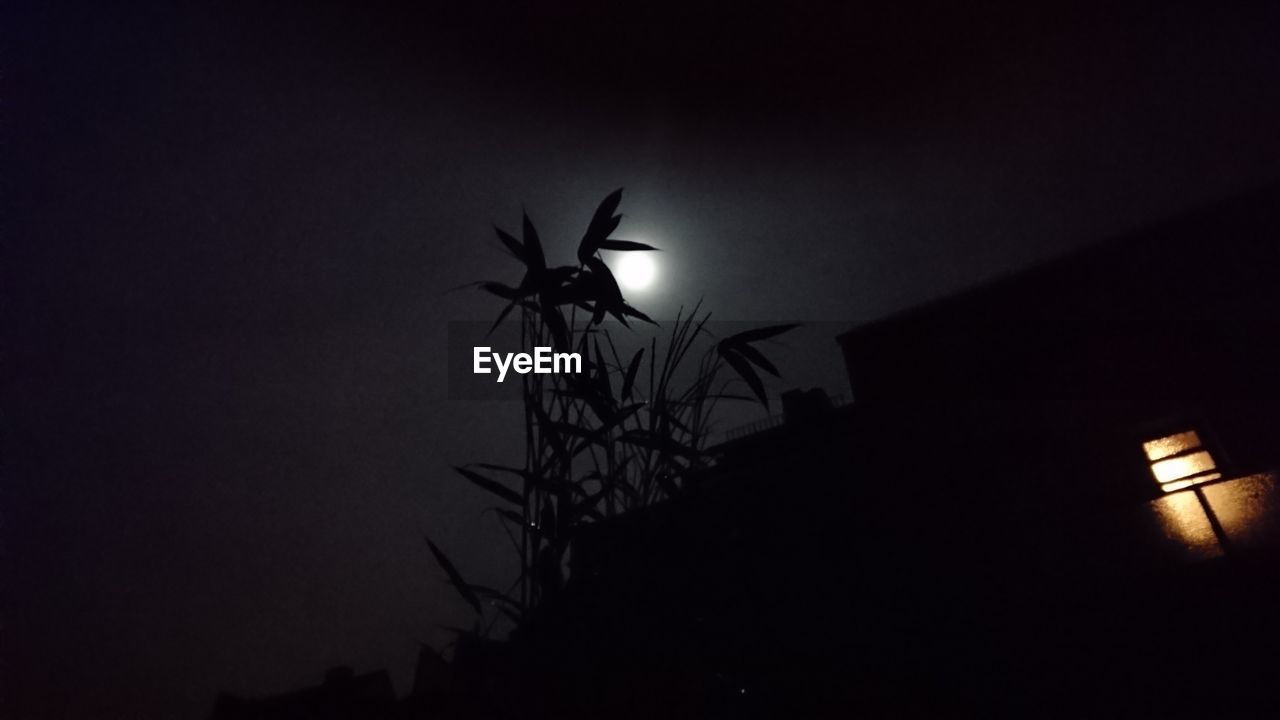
(1180, 461)
(1215, 519)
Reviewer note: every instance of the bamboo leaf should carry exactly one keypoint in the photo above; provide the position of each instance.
(557, 325)
(609, 291)
(744, 370)
(608, 206)
(758, 358)
(629, 380)
(603, 386)
(519, 521)
(624, 245)
(757, 334)
(534, 479)
(603, 222)
(455, 578)
(521, 472)
(619, 417)
(537, 262)
(512, 516)
(507, 311)
(628, 310)
(492, 486)
(505, 292)
(671, 418)
(512, 244)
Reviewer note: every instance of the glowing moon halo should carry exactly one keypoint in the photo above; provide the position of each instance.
(635, 270)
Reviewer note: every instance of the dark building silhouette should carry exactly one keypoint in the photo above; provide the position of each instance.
(343, 696)
(1052, 495)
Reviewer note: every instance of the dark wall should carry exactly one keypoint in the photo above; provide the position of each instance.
(1072, 365)
(970, 533)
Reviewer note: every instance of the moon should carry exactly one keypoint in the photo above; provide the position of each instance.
(635, 270)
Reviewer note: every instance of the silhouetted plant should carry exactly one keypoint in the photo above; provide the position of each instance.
(617, 437)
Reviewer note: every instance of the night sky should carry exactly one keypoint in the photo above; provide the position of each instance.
(230, 235)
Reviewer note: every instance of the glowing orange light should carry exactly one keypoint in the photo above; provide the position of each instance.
(1171, 445)
(1182, 466)
(1184, 521)
(1183, 484)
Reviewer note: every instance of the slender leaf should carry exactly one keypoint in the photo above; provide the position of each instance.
(632, 312)
(520, 472)
(628, 381)
(603, 386)
(455, 578)
(492, 486)
(755, 356)
(608, 285)
(505, 292)
(603, 222)
(624, 245)
(556, 324)
(512, 244)
(763, 333)
(745, 371)
(537, 262)
(519, 521)
(507, 311)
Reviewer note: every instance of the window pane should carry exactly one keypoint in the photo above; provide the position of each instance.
(1248, 508)
(1182, 466)
(1183, 484)
(1184, 522)
(1172, 445)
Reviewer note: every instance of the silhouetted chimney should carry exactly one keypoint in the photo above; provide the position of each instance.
(803, 405)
